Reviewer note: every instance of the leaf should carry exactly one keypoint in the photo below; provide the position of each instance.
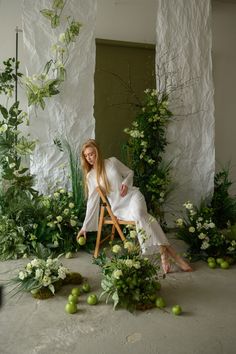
(47, 13)
(4, 111)
(58, 4)
(55, 21)
(115, 298)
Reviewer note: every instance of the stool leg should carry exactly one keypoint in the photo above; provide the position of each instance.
(98, 240)
(113, 230)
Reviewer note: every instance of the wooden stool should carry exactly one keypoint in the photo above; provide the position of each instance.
(109, 219)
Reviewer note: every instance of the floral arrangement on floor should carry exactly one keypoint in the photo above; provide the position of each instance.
(43, 277)
(203, 236)
(129, 279)
(145, 148)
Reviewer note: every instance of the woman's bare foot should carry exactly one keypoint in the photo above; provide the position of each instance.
(184, 266)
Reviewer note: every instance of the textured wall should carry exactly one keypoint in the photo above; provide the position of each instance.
(183, 56)
(69, 114)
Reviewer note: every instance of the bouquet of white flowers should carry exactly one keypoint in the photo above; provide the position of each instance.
(39, 275)
(129, 279)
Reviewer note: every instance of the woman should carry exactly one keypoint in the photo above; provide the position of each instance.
(126, 202)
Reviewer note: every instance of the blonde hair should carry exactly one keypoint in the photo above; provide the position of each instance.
(99, 167)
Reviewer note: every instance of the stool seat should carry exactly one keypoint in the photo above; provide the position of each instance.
(109, 219)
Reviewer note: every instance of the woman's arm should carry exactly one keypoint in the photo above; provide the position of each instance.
(127, 175)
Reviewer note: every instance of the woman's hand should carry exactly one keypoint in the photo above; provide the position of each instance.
(81, 233)
(123, 190)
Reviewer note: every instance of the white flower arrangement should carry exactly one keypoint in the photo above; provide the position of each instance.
(39, 274)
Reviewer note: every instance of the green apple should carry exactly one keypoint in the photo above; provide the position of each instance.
(81, 241)
(224, 265)
(71, 307)
(219, 260)
(86, 287)
(176, 310)
(75, 291)
(92, 299)
(160, 302)
(212, 264)
(73, 298)
(210, 259)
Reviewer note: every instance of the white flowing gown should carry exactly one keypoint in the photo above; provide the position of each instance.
(130, 207)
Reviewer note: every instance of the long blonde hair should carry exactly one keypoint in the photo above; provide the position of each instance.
(99, 167)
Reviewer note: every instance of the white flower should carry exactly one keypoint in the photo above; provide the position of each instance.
(199, 225)
(12, 165)
(38, 273)
(179, 222)
(137, 265)
(201, 236)
(59, 218)
(46, 280)
(56, 194)
(191, 229)
(71, 205)
(206, 225)
(211, 225)
(133, 234)
(66, 211)
(116, 249)
(73, 222)
(162, 194)
(129, 246)
(22, 275)
(35, 262)
(62, 191)
(129, 263)
(205, 245)
(62, 271)
(188, 205)
(117, 274)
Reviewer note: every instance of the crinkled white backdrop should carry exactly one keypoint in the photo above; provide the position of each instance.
(69, 114)
(183, 55)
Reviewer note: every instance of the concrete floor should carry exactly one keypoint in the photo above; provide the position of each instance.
(207, 325)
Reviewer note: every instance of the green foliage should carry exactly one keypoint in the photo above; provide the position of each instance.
(202, 235)
(47, 84)
(59, 222)
(223, 203)
(129, 280)
(145, 147)
(12, 236)
(75, 172)
(8, 76)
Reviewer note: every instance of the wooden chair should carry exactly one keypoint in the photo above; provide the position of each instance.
(108, 218)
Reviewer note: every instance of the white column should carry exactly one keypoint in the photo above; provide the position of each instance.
(183, 52)
(70, 113)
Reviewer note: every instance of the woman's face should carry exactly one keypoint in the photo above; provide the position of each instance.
(90, 155)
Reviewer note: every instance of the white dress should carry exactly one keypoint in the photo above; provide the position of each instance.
(130, 207)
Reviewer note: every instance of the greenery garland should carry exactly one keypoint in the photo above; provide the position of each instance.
(145, 148)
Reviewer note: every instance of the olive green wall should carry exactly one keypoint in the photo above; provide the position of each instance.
(123, 71)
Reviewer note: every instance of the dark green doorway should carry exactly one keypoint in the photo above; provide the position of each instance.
(123, 71)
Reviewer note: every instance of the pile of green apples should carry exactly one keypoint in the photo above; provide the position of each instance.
(73, 299)
(218, 262)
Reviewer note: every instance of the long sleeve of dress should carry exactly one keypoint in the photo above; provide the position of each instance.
(92, 210)
(126, 172)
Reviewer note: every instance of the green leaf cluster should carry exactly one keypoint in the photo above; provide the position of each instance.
(145, 148)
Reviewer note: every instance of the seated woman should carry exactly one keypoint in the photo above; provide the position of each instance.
(126, 201)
